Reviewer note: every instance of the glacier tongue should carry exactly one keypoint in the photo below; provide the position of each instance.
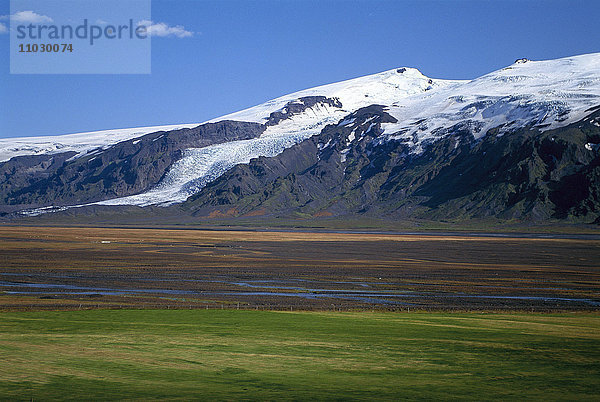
(544, 94)
(200, 166)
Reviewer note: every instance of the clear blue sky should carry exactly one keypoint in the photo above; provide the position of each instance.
(243, 53)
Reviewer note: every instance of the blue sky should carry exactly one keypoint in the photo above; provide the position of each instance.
(242, 53)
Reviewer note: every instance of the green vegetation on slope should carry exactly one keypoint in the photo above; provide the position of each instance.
(186, 354)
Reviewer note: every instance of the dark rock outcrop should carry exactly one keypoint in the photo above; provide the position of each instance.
(300, 105)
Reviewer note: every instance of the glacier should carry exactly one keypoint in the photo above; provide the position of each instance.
(541, 94)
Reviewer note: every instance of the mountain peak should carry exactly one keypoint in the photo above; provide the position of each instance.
(420, 111)
(409, 71)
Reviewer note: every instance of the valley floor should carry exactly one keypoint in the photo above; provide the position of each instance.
(79, 268)
(266, 355)
(106, 313)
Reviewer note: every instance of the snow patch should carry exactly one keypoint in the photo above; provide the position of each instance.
(370, 128)
(346, 122)
(352, 136)
(321, 146)
(343, 154)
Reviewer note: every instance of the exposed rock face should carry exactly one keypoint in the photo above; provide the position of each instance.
(300, 105)
(347, 170)
(21, 172)
(126, 168)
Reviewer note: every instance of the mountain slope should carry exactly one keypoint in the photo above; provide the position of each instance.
(527, 174)
(516, 143)
(180, 170)
(547, 94)
(128, 167)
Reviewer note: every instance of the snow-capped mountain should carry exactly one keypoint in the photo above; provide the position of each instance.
(81, 143)
(289, 120)
(414, 113)
(545, 94)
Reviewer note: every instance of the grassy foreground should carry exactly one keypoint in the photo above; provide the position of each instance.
(229, 354)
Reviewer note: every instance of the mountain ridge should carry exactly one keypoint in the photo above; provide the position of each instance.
(380, 130)
(526, 175)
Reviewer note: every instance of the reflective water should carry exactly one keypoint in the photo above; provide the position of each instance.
(271, 289)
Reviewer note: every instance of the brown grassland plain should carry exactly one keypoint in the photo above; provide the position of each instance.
(66, 267)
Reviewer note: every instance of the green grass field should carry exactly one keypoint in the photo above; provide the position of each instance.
(229, 354)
